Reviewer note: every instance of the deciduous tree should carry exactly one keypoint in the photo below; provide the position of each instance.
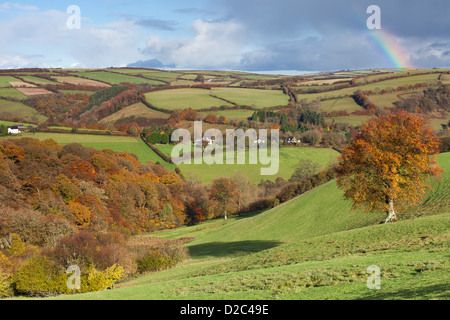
(389, 162)
(224, 197)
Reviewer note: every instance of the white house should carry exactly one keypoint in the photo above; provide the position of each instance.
(292, 140)
(13, 130)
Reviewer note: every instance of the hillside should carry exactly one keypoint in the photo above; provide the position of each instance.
(313, 247)
(229, 94)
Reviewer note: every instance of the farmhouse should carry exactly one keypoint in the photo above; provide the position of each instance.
(208, 140)
(14, 129)
(292, 140)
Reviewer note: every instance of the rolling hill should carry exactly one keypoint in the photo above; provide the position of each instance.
(313, 247)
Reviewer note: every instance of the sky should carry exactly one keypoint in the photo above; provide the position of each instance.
(248, 35)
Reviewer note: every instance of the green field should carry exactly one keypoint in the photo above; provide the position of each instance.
(11, 93)
(235, 115)
(394, 83)
(352, 120)
(183, 99)
(115, 78)
(12, 110)
(313, 247)
(120, 144)
(38, 80)
(249, 97)
(5, 80)
(388, 99)
(12, 123)
(138, 110)
(289, 157)
(78, 91)
(344, 104)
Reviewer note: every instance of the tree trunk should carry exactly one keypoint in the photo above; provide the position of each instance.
(391, 212)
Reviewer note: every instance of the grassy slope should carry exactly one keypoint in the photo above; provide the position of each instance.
(313, 247)
(138, 110)
(11, 109)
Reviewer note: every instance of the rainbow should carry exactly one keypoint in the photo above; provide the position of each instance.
(390, 49)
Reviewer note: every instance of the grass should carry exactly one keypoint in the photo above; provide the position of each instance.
(138, 110)
(38, 80)
(78, 91)
(235, 115)
(183, 99)
(11, 93)
(352, 120)
(5, 80)
(313, 247)
(343, 104)
(12, 110)
(289, 157)
(393, 83)
(115, 78)
(12, 123)
(119, 144)
(202, 99)
(249, 97)
(388, 99)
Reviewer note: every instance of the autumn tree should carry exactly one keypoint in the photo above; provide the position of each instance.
(389, 163)
(224, 197)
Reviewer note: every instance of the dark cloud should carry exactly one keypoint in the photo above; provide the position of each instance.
(286, 18)
(313, 54)
(330, 34)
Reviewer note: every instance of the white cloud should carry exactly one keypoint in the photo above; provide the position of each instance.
(15, 61)
(215, 45)
(9, 6)
(46, 34)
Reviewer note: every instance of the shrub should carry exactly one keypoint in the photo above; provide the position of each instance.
(154, 138)
(6, 289)
(94, 280)
(161, 259)
(17, 246)
(40, 277)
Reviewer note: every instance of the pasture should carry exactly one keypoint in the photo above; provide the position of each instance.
(5, 81)
(11, 93)
(17, 110)
(340, 104)
(252, 97)
(289, 158)
(393, 83)
(136, 111)
(184, 98)
(116, 78)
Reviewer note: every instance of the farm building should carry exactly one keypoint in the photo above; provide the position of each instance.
(292, 140)
(14, 129)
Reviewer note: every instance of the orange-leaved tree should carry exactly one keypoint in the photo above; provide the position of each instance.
(389, 163)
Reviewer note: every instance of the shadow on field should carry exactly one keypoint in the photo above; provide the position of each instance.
(438, 291)
(222, 249)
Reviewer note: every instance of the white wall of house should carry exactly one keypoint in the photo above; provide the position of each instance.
(13, 131)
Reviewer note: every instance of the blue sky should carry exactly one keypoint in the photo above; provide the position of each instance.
(253, 35)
